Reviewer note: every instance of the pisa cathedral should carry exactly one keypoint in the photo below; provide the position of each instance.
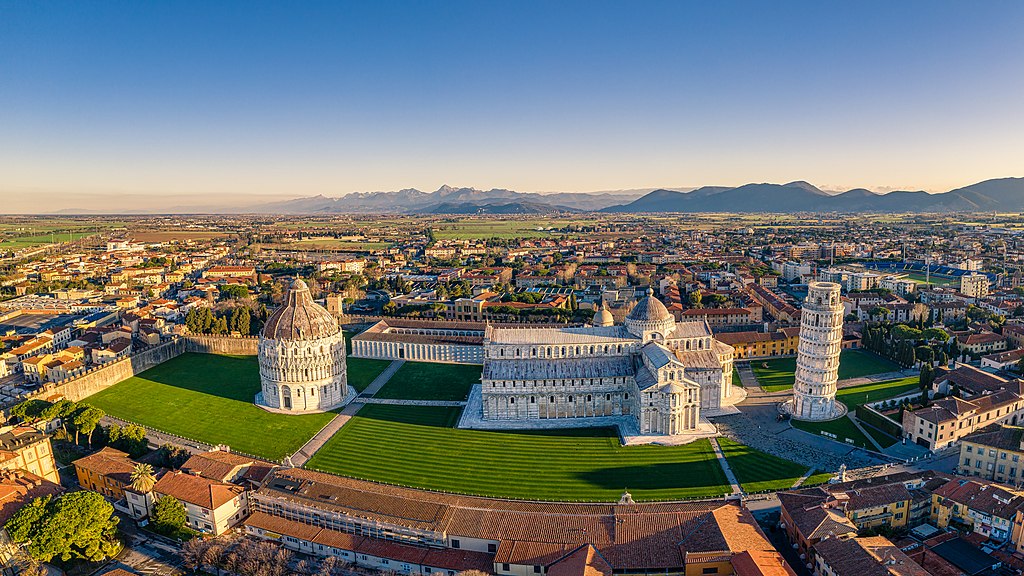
(660, 372)
(302, 357)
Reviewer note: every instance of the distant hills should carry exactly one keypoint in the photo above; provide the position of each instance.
(449, 200)
(1003, 195)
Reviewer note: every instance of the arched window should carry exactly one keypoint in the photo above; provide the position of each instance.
(533, 399)
(589, 398)
(570, 398)
(552, 399)
(511, 400)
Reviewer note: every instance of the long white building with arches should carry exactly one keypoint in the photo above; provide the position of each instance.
(660, 372)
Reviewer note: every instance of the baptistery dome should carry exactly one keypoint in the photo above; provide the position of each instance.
(302, 357)
(650, 317)
(300, 318)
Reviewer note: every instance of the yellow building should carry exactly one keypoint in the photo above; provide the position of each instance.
(981, 506)
(107, 472)
(782, 342)
(25, 448)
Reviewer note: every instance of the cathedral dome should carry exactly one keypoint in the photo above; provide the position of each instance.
(649, 316)
(300, 318)
(603, 317)
(649, 309)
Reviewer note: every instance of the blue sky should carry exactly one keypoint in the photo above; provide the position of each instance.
(306, 98)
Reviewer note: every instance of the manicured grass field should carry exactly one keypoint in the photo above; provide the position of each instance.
(736, 381)
(431, 381)
(757, 471)
(482, 229)
(416, 446)
(779, 374)
(362, 371)
(853, 397)
(209, 398)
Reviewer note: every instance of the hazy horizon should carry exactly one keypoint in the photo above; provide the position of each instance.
(189, 99)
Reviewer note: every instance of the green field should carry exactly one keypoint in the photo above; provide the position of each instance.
(21, 242)
(417, 446)
(779, 373)
(736, 381)
(209, 398)
(331, 244)
(853, 397)
(757, 471)
(431, 381)
(362, 371)
(479, 229)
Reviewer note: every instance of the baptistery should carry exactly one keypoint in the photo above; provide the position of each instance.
(302, 357)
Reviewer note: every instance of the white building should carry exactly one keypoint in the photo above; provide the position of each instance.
(974, 285)
(817, 360)
(660, 372)
(302, 357)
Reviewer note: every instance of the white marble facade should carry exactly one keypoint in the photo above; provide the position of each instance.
(817, 360)
(302, 357)
(659, 371)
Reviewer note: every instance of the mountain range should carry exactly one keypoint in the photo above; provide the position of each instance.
(1003, 194)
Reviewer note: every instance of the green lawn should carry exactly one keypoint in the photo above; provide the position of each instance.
(431, 381)
(853, 397)
(819, 478)
(209, 397)
(417, 446)
(757, 471)
(779, 373)
(362, 371)
(843, 428)
(736, 381)
(41, 239)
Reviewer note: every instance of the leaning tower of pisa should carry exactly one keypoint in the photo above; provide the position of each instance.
(817, 359)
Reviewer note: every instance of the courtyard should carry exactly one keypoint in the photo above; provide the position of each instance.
(777, 374)
(209, 398)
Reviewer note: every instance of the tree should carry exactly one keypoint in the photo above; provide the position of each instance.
(130, 438)
(695, 299)
(926, 377)
(937, 334)
(75, 525)
(169, 515)
(29, 410)
(85, 420)
(142, 478)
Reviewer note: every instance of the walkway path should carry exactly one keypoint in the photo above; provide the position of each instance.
(303, 455)
(325, 433)
(803, 478)
(382, 379)
(864, 432)
(402, 402)
(725, 467)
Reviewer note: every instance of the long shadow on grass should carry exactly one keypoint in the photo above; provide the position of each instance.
(663, 476)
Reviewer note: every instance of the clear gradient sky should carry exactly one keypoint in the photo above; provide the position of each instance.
(175, 97)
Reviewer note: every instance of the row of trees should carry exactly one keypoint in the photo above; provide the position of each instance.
(241, 319)
(906, 345)
(76, 418)
(75, 525)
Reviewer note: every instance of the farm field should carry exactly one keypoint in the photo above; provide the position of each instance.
(502, 229)
(431, 381)
(31, 241)
(209, 397)
(779, 373)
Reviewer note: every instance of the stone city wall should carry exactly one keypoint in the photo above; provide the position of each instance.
(240, 346)
(101, 377)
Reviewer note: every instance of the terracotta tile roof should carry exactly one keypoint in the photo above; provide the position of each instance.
(654, 535)
(448, 559)
(761, 563)
(584, 561)
(19, 487)
(108, 462)
(217, 464)
(872, 556)
(197, 490)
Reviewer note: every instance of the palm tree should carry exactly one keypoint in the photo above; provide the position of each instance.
(142, 478)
